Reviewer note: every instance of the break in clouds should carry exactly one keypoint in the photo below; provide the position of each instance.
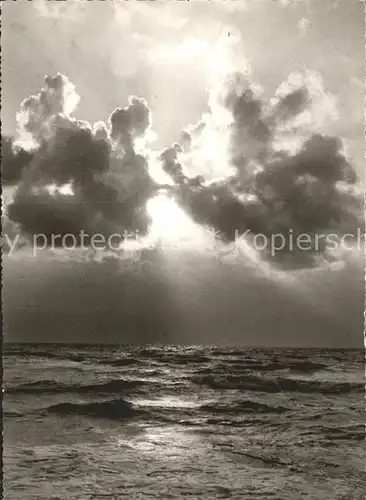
(250, 163)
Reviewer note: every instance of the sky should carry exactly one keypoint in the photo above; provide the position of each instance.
(107, 49)
(175, 58)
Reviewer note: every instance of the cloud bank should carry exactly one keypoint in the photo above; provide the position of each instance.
(108, 180)
(250, 164)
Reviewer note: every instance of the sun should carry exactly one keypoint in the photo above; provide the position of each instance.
(170, 223)
(168, 218)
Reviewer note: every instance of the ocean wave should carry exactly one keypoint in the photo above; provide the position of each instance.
(261, 384)
(243, 407)
(346, 433)
(173, 357)
(12, 414)
(329, 435)
(298, 366)
(45, 354)
(114, 409)
(248, 365)
(51, 387)
(120, 362)
(228, 352)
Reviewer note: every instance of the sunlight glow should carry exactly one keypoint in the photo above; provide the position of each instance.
(219, 56)
(171, 224)
(65, 189)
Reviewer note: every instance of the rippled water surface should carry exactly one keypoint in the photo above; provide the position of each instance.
(96, 422)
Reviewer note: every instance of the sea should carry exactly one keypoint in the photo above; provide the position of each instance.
(171, 422)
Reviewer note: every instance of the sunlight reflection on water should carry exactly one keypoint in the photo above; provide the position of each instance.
(167, 402)
(167, 441)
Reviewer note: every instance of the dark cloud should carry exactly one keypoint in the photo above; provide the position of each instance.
(273, 191)
(170, 163)
(129, 123)
(291, 105)
(270, 188)
(250, 134)
(14, 161)
(108, 186)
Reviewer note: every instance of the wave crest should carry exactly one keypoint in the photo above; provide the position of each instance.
(50, 387)
(261, 384)
(114, 409)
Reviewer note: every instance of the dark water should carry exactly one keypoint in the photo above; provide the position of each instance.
(96, 422)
